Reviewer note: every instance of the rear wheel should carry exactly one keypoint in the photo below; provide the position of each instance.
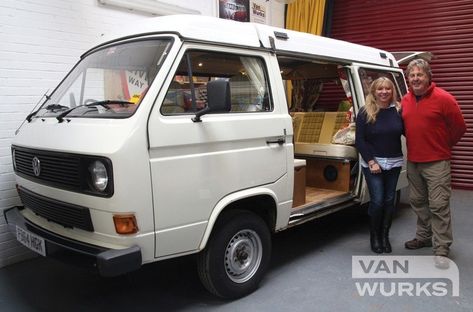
(237, 255)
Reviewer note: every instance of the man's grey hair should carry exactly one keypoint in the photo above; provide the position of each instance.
(421, 64)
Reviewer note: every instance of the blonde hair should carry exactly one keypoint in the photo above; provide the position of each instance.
(371, 109)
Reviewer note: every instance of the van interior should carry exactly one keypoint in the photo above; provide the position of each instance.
(320, 103)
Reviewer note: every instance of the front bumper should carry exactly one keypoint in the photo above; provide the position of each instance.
(107, 262)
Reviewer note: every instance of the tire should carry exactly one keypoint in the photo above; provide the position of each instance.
(237, 255)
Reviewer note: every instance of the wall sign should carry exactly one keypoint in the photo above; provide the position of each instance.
(237, 10)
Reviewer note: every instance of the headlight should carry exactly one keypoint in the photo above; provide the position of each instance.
(98, 175)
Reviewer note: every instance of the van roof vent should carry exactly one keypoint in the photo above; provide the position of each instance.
(281, 35)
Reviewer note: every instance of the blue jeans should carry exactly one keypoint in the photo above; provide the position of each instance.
(382, 188)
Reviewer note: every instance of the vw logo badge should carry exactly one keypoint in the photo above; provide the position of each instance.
(36, 166)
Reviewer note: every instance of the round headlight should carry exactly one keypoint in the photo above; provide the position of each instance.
(99, 175)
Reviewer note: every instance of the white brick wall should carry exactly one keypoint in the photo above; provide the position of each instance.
(40, 40)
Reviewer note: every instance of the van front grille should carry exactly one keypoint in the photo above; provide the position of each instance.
(59, 169)
(68, 215)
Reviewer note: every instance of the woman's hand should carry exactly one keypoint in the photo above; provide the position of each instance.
(374, 167)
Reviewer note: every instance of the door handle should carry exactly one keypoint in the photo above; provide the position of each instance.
(280, 141)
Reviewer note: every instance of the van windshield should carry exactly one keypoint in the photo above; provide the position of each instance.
(109, 82)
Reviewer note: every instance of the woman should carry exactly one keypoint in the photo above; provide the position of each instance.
(378, 138)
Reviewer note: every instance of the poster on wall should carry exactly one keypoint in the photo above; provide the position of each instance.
(259, 11)
(237, 10)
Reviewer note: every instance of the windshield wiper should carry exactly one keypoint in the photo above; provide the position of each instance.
(50, 107)
(34, 112)
(53, 107)
(31, 115)
(104, 103)
(61, 116)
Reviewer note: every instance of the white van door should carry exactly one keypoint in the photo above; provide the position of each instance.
(194, 165)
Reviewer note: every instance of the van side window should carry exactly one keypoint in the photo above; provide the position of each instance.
(368, 75)
(249, 87)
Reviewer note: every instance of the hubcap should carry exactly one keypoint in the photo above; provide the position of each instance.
(243, 256)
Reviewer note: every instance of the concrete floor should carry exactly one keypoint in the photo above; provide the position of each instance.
(311, 270)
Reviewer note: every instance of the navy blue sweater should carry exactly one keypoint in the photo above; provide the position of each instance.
(381, 138)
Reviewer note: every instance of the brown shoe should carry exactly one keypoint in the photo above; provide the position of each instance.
(416, 244)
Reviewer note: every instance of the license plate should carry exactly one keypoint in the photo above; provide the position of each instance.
(32, 241)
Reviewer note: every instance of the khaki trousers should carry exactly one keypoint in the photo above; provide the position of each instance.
(429, 195)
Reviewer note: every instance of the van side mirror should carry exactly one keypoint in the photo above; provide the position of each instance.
(218, 99)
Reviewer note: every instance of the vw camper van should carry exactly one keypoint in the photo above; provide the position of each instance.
(193, 135)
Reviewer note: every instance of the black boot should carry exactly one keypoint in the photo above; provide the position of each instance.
(375, 233)
(387, 220)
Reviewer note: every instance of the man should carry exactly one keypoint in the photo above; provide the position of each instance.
(433, 124)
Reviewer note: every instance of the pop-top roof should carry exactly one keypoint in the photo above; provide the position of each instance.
(212, 29)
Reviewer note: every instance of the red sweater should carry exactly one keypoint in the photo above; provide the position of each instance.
(433, 124)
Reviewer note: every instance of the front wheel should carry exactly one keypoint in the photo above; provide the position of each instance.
(237, 255)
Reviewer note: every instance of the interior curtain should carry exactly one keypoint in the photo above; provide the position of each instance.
(313, 89)
(256, 74)
(305, 94)
(297, 95)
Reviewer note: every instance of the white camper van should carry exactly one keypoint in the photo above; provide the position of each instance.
(193, 135)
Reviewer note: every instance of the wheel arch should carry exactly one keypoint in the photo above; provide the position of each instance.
(260, 202)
